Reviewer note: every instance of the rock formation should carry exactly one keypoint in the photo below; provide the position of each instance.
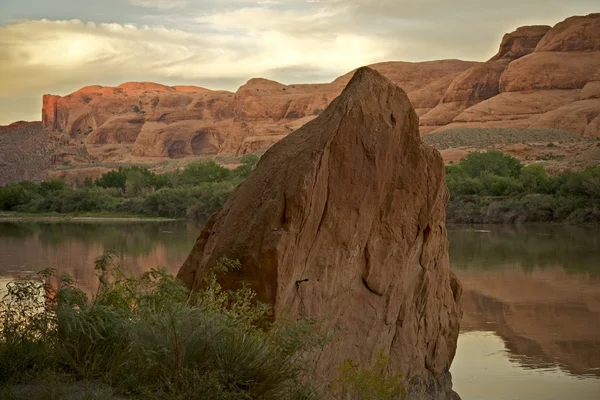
(521, 42)
(548, 81)
(151, 120)
(344, 221)
(541, 77)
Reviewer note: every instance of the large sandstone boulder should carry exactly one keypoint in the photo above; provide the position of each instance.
(344, 221)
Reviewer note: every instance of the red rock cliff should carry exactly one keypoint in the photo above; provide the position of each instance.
(50, 111)
(541, 77)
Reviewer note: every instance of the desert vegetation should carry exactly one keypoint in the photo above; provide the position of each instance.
(490, 187)
(150, 337)
(485, 187)
(193, 192)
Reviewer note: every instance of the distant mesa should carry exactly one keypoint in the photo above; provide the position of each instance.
(541, 77)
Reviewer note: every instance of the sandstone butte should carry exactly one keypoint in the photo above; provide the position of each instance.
(343, 221)
(541, 77)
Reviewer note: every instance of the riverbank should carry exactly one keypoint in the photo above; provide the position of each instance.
(485, 187)
(79, 217)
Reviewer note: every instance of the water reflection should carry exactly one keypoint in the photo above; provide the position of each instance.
(72, 247)
(531, 324)
(538, 290)
(482, 371)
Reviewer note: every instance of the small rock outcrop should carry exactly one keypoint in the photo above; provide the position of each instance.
(521, 42)
(344, 221)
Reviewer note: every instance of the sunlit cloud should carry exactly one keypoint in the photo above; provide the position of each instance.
(220, 44)
(161, 4)
(94, 51)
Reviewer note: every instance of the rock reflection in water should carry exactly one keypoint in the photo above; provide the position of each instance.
(531, 324)
(483, 370)
(538, 290)
(72, 247)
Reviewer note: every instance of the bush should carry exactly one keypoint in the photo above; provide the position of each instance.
(510, 193)
(135, 178)
(491, 162)
(197, 202)
(114, 179)
(13, 195)
(152, 337)
(203, 172)
(372, 383)
(248, 163)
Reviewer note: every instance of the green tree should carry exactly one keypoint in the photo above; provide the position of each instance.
(206, 171)
(535, 179)
(493, 162)
(135, 182)
(248, 163)
(114, 179)
(53, 185)
(11, 196)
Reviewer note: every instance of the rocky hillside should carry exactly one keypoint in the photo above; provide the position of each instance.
(541, 78)
(25, 152)
(139, 120)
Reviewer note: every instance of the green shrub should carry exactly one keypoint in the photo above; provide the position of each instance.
(197, 202)
(372, 383)
(52, 186)
(114, 179)
(507, 193)
(248, 162)
(151, 337)
(13, 195)
(204, 172)
(491, 162)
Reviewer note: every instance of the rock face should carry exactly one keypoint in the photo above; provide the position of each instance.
(151, 120)
(521, 42)
(549, 80)
(344, 221)
(25, 152)
(541, 77)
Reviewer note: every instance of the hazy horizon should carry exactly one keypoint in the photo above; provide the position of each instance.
(58, 47)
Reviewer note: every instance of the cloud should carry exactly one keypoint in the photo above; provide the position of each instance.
(96, 51)
(222, 43)
(160, 4)
(60, 56)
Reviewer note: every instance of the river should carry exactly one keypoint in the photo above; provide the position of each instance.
(531, 301)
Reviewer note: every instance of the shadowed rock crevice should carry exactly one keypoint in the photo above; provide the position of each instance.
(325, 227)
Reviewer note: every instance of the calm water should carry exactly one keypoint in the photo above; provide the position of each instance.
(531, 324)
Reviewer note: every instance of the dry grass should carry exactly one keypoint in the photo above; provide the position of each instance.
(487, 138)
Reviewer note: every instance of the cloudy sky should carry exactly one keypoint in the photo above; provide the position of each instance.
(59, 46)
